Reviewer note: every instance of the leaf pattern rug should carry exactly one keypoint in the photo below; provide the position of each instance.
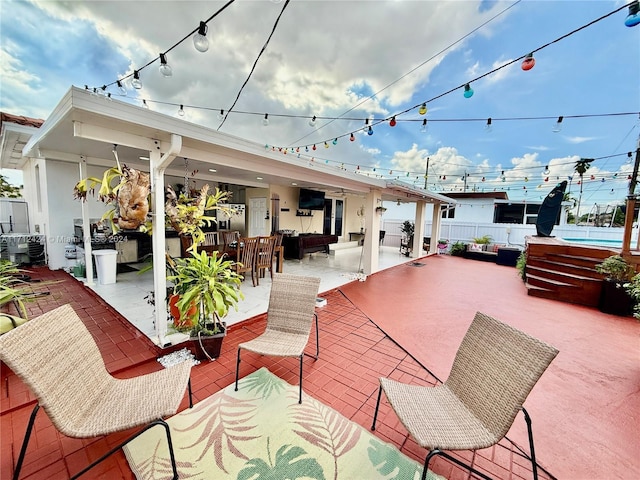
(261, 432)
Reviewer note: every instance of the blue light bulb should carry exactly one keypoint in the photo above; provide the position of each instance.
(468, 91)
(634, 15)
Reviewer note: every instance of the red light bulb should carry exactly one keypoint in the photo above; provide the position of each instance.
(393, 122)
(528, 62)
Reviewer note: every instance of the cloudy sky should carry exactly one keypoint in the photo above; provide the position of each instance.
(346, 62)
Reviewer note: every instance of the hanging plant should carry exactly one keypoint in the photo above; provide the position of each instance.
(187, 215)
(127, 190)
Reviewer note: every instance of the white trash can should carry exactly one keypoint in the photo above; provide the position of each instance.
(106, 265)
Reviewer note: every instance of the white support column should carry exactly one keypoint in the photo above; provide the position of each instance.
(370, 251)
(436, 224)
(86, 228)
(419, 228)
(158, 164)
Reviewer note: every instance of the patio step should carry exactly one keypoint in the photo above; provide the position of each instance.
(343, 247)
(586, 294)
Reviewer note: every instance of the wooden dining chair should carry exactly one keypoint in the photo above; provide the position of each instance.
(246, 253)
(229, 237)
(264, 259)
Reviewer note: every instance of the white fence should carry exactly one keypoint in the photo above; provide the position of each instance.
(503, 233)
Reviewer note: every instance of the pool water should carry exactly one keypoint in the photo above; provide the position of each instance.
(595, 241)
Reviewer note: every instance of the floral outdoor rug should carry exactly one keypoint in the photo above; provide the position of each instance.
(261, 432)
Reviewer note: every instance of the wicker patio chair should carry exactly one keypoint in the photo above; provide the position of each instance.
(494, 370)
(57, 358)
(290, 314)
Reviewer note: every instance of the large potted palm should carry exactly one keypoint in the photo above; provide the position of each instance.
(210, 283)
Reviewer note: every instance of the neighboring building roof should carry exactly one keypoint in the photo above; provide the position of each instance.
(496, 195)
(21, 120)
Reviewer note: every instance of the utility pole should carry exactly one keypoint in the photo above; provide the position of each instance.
(631, 206)
(426, 174)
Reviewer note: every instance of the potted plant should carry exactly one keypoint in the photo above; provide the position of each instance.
(614, 297)
(457, 249)
(211, 284)
(633, 289)
(407, 228)
(443, 243)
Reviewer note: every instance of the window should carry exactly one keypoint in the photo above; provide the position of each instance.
(508, 213)
(448, 212)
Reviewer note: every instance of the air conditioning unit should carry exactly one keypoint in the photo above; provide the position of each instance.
(20, 247)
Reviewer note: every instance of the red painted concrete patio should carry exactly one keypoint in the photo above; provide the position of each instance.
(406, 323)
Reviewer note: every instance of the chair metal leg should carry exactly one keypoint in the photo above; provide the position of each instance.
(317, 339)
(190, 395)
(115, 449)
(237, 369)
(25, 442)
(300, 397)
(534, 465)
(375, 414)
(435, 452)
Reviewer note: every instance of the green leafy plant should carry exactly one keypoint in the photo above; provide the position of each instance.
(457, 249)
(633, 289)
(616, 268)
(211, 284)
(483, 240)
(187, 215)
(443, 241)
(408, 228)
(521, 266)
(12, 287)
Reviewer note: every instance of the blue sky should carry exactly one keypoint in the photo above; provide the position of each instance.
(327, 57)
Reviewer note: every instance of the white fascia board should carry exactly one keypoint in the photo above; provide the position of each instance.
(52, 121)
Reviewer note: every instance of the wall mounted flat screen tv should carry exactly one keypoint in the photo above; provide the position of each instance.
(310, 200)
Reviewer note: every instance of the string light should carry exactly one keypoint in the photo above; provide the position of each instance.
(352, 137)
(144, 104)
(221, 114)
(265, 121)
(468, 91)
(546, 170)
(136, 82)
(423, 127)
(181, 111)
(488, 128)
(528, 62)
(312, 122)
(393, 122)
(370, 131)
(200, 40)
(633, 18)
(165, 68)
(335, 141)
(423, 109)
(558, 126)
(121, 89)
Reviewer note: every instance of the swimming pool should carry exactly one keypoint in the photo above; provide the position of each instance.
(595, 241)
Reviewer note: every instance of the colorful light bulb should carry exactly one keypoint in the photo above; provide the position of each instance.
(528, 62)
(393, 122)
(633, 18)
(468, 91)
(423, 109)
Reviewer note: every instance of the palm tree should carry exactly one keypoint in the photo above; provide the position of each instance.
(580, 168)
